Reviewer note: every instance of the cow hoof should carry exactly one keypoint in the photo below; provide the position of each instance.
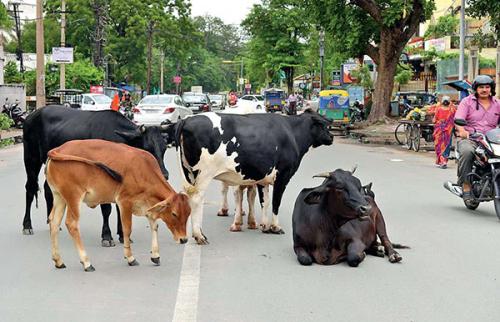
(252, 226)
(276, 230)
(156, 260)
(394, 258)
(243, 213)
(223, 213)
(28, 231)
(201, 240)
(133, 263)
(89, 269)
(235, 227)
(120, 239)
(107, 243)
(60, 266)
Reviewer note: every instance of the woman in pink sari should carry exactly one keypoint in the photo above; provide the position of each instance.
(443, 131)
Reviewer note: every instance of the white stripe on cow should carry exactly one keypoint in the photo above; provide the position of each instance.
(216, 121)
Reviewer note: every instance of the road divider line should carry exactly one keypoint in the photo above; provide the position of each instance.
(186, 305)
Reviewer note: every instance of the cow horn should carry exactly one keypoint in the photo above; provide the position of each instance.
(322, 175)
(354, 168)
(142, 128)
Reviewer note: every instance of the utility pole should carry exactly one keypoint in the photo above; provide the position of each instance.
(150, 30)
(19, 52)
(241, 81)
(40, 58)
(321, 56)
(162, 59)
(462, 42)
(62, 67)
(2, 60)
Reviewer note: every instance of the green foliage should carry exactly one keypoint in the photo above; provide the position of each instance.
(446, 26)
(363, 77)
(403, 76)
(486, 62)
(11, 74)
(5, 19)
(482, 8)
(5, 122)
(6, 142)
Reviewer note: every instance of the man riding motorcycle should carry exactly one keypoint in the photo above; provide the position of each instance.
(481, 111)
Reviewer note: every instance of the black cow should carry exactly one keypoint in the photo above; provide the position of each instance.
(51, 126)
(339, 220)
(248, 149)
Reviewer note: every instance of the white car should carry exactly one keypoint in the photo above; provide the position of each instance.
(255, 101)
(155, 109)
(95, 102)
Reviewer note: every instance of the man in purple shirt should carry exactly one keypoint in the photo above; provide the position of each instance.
(481, 110)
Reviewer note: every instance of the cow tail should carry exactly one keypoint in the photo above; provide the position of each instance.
(177, 135)
(56, 156)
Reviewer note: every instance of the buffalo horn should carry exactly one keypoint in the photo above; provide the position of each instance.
(354, 169)
(322, 175)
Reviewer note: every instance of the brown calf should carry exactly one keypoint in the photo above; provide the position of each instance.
(97, 172)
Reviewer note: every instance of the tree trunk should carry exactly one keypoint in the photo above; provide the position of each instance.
(386, 69)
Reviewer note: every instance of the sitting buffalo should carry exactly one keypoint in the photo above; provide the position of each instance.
(339, 220)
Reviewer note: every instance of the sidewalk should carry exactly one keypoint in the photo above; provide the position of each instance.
(380, 133)
(16, 134)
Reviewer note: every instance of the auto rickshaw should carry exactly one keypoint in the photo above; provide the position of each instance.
(68, 97)
(274, 99)
(334, 105)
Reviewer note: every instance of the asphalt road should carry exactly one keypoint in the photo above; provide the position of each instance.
(450, 273)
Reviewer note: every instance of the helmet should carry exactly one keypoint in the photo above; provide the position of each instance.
(445, 100)
(484, 80)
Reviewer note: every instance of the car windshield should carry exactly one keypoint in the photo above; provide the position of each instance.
(195, 98)
(155, 99)
(259, 97)
(101, 99)
(215, 97)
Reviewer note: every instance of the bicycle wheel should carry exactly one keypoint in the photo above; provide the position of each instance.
(408, 136)
(415, 138)
(399, 134)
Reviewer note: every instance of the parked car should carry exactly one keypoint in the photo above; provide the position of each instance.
(155, 109)
(218, 100)
(95, 102)
(197, 102)
(256, 101)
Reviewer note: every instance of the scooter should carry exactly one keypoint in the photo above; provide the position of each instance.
(485, 174)
(15, 112)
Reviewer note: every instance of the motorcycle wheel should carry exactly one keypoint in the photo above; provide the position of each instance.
(473, 204)
(496, 202)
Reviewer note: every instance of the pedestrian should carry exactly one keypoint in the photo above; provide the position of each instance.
(481, 111)
(444, 115)
(233, 99)
(292, 104)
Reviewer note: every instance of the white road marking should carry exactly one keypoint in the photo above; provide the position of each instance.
(186, 305)
(396, 160)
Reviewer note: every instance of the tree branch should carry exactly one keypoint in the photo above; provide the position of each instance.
(370, 7)
(373, 52)
(413, 22)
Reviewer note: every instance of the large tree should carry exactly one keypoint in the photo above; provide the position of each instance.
(278, 29)
(491, 9)
(377, 28)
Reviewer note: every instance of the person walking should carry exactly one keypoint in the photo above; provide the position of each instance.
(481, 111)
(443, 129)
(292, 104)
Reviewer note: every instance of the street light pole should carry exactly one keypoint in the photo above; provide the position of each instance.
(462, 42)
(321, 56)
(40, 58)
(241, 77)
(62, 67)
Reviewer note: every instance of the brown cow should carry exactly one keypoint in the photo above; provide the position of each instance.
(91, 171)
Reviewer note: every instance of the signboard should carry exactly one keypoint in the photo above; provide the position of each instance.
(347, 68)
(438, 44)
(177, 79)
(62, 55)
(241, 81)
(97, 89)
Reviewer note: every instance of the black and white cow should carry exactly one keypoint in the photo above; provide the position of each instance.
(264, 149)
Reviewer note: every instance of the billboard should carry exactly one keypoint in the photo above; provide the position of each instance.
(347, 68)
(62, 55)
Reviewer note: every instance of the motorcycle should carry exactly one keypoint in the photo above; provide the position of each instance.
(485, 174)
(356, 113)
(15, 113)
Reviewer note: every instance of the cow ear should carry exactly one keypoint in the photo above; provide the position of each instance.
(159, 207)
(129, 135)
(314, 197)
